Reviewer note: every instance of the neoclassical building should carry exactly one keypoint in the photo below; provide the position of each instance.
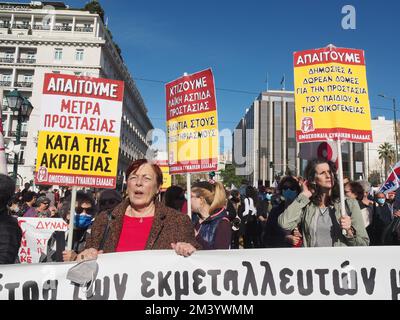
(36, 38)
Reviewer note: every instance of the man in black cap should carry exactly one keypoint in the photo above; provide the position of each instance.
(10, 232)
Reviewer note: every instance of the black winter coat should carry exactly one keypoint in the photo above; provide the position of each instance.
(10, 238)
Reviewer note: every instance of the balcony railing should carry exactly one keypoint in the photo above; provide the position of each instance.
(23, 84)
(84, 29)
(24, 134)
(12, 161)
(41, 27)
(5, 83)
(20, 26)
(6, 60)
(25, 60)
(62, 28)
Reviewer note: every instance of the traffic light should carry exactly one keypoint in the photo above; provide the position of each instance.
(271, 164)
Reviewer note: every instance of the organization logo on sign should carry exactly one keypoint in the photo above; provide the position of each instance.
(42, 175)
(307, 125)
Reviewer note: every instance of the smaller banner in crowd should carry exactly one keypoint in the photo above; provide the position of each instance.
(167, 179)
(78, 143)
(331, 95)
(35, 234)
(259, 274)
(192, 123)
(392, 182)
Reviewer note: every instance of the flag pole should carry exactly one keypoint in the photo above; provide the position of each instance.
(71, 218)
(340, 171)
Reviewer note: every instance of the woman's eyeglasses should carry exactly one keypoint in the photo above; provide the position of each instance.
(79, 210)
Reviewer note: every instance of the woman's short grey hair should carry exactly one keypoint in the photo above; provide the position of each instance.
(365, 185)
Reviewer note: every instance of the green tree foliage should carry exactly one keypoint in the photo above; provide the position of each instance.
(386, 154)
(374, 178)
(229, 176)
(95, 7)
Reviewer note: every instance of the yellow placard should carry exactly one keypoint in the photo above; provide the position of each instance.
(77, 154)
(331, 95)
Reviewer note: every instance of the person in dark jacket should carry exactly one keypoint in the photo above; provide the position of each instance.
(235, 216)
(10, 232)
(275, 236)
(382, 216)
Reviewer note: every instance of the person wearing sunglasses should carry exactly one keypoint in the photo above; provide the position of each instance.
(85, 212)
(42, 207)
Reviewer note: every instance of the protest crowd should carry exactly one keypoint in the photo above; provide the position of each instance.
(298, 212)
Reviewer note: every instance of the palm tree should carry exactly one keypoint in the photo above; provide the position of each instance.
(386, 154)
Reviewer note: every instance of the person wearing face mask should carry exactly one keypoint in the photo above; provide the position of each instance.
(275, 236)
(14, 207)
(85, 212)
(381, 218)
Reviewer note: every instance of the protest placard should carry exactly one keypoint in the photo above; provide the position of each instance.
(78, 143)
(35, 234)
(331, 95)
(192, 123)
(167, 179)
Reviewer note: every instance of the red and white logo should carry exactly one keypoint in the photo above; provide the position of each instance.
(307, 125)
(42, 174)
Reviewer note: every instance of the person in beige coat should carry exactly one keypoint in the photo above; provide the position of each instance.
(317, 210)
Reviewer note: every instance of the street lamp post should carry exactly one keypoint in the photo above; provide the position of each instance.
(23, 108)
(394, 120)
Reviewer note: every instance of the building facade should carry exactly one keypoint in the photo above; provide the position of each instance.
(264, 142)
(382, 131)
(36, 39)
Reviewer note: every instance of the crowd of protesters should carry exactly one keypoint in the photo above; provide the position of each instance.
(299, 212)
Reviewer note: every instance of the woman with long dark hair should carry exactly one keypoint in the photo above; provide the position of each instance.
(317, 209)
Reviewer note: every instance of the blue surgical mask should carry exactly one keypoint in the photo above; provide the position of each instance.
(269, 196)
(381, 201)
(82, 221)
(289, 194)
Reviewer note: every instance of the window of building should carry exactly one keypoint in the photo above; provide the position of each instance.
(6, 77)
(56, 72)
(58, 54)
(31, 55)
(28, 78)
(9, 55)
(79, 55)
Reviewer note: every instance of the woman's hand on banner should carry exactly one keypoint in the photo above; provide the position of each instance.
(69, 255)
(88, 254)
(183, 248)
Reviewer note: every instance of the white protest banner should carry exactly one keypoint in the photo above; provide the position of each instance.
(35, 234)
(260, 274)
